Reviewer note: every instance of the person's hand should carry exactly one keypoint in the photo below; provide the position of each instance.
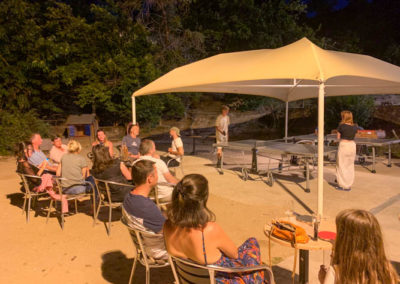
(169, 150)
(322, 273)
(223, 133)
(43, 164)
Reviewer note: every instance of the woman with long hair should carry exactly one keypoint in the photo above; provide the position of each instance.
(101, 139)
(192, 233)
(346, 152)
(107, 168)
(358, 255)
(23, 152)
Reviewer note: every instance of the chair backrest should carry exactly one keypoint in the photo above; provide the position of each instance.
(138, 242)
(188, 272)
(25, 182)
(103, 187)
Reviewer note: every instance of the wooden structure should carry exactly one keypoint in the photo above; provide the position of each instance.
(82, 125)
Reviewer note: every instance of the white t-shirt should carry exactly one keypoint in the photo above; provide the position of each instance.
(176, 143)
(223, 123)
(163, 190)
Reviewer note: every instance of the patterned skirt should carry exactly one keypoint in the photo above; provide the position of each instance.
(249, 255)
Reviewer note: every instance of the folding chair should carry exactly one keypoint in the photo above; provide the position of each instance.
(29, 195)
(69, 197)
(161, 204)
(180, 165)
(187, 272)
(141, 255)
(103, 189)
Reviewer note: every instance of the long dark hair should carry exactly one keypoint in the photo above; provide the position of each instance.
(20, 151)
(101, 158)
(189, 203)
(359, 255)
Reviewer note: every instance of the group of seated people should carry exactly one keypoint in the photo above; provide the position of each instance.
(188, 228)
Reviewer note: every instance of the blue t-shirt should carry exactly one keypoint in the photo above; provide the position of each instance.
(37, 158)
(132, 144)
(144, 208)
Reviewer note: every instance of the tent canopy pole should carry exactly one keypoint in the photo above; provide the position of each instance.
(133, 109)
(286, 121)
(321, 102)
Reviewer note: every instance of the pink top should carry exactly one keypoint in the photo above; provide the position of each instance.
(56, 153)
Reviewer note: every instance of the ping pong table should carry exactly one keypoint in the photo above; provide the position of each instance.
(372, 143)
(276, 150)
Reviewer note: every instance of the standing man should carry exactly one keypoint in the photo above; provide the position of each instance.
(221, 131)
(57, 151)
(132, 141)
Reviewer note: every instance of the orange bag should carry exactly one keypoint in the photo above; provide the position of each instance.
(290, 232)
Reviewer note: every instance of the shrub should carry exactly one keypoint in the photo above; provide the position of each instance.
(18, 126)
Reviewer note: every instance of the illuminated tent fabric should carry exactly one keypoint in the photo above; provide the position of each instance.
(300, 70)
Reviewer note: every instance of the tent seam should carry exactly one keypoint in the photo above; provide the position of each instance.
(321, 74)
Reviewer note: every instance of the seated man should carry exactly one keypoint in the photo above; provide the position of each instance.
(57, 151)
(173, 159)
(141, 212)
(132, 141)
(147, 151)
(38, 157)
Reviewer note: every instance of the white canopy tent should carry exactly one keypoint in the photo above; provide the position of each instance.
(300, 70)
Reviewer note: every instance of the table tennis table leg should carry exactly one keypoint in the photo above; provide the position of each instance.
(390, 157)
(307, 176)
(303, 266)
(373, 160)
(194, 146)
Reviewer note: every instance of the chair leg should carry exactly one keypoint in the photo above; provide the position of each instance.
(29, 210)
(48, 212)
(109, 219)
(23, 206)
(133, 270)
(62, 220)
(147, 275)
(76, 206)
(97, 211)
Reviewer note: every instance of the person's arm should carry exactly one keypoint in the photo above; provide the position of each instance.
(58, 171)
(51, 168)
(125, 172)
(338, 132)
(42, 167)
(85, 172)
(110, 148)
(224, 243)
(170, 178)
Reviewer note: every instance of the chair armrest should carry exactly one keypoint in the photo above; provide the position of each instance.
(30, 176)
(113, 182)
(238, 269)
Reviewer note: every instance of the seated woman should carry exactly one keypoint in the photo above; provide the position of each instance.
(358, 254)
(107, 168)
(24, 151)
(173, 158)
(101, 139)
(192, 233)
(74, 168)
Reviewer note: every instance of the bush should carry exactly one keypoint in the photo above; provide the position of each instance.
(18, 126)
(362, 108)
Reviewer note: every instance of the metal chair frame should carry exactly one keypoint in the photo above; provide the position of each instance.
(180, 164)
(198, 273)
(103, 201)
(69, 197)
(29, 195)
(141, 255)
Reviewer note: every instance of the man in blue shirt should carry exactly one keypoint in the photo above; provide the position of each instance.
(38, 157)
(141, 212)
(132, 141)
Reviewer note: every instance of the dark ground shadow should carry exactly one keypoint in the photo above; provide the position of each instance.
(396, 266)
(40, 206)
(283, 275)
(116, 269)
(295, 197)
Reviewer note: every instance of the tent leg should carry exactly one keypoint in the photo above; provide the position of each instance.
(133, 109)
(321, 102)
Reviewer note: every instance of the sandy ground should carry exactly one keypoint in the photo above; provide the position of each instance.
(83, 253)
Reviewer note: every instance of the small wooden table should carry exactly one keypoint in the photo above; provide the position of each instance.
(304, 248)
